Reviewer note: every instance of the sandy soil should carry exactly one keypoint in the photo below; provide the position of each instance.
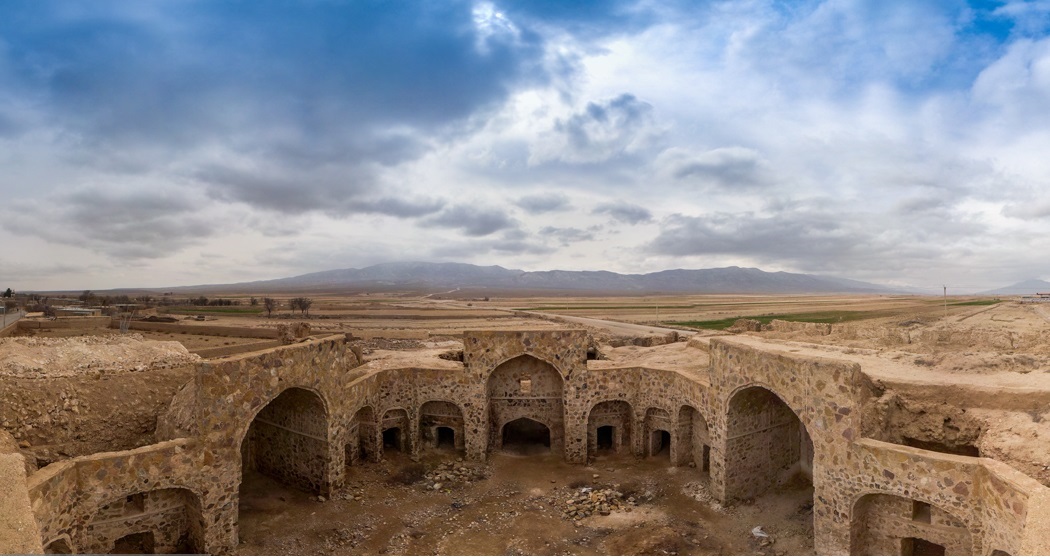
(519, 510)
(38, 357)
(197, 342)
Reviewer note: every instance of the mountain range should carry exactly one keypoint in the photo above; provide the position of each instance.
(1031, 286)
(425, 275)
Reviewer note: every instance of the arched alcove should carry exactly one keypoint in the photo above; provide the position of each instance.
(361, 437)
(526, 387)
(766, 444)
(609, 428)
(288, 441)
(163, 521)
(887, 524)
(441, 425)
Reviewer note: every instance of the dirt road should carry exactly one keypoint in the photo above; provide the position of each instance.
(615, 328)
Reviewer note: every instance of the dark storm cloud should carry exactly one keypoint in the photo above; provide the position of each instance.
(731, 167)
(511, 242)
(624, 212)
(792, 237)
(543, 203)
(604, 130)
(297, 84)
(396, 207)
(137, 225)
(471, 220)
(335, 191)
(567, 235)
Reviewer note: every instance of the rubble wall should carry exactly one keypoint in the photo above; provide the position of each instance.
(18, 532)
(79, 415)
(987, 499)
(997, 507)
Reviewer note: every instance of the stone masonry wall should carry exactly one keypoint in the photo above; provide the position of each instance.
(998, 507)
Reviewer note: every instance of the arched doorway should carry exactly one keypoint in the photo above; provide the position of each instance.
(441, 425)
(887, 524)
(164, 521)
(658, 429)
(361, 437)
(525, 436)
(694, 440)
(288, 441)
(609, 428)
(766, 445)
(59, 546)
(395, 432)
(526, 387)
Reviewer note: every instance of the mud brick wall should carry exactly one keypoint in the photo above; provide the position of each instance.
(808, 327)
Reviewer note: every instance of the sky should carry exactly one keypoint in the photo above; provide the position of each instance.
(165, 143)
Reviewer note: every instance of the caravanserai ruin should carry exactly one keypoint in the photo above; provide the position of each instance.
(742, 410)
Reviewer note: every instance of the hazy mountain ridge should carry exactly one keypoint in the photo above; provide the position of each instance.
(1027, 287)
(459, 275)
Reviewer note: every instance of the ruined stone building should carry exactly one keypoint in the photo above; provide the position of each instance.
(742, 409)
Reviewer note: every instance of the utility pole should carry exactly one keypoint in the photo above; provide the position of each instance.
(945, 301)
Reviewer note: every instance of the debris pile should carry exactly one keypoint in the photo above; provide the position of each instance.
(588, 501)
(450, 474)
(48, 357)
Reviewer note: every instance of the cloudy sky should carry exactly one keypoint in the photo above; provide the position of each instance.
(184, 142)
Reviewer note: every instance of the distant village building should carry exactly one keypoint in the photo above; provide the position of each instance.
(77, 311)
(1037, 298)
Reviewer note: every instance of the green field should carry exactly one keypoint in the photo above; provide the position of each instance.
(829, 317)
(987, 302)
(193, 310)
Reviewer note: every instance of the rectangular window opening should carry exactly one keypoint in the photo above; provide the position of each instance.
(526, 386)
(921, 512)
(136, 503)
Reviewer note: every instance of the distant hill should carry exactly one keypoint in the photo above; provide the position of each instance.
(425, 275)
(1031, 286)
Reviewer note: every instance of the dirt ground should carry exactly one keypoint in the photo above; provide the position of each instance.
(517, 506)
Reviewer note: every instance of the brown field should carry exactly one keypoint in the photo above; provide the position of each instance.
(414, 316)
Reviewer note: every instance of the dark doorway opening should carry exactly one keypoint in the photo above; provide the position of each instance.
(705, 462)
(392, 439)
(606, 438)
(58, 546)
(526, 436)
(954, 449)
(446, 437)
(661, 444)
(913, 546)
(135, 543)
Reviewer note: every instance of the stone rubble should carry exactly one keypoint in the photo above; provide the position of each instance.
(452, 474)
(50, 357)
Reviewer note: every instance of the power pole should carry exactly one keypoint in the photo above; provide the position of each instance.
(945, 301)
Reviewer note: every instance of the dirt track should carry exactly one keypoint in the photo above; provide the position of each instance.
(518, 510)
